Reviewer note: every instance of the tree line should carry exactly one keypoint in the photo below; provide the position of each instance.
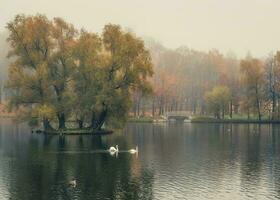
(58, 74)
(210, 83)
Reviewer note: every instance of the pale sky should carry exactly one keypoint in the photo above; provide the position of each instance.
(227, 25)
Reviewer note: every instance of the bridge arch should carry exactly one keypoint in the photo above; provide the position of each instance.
(178, 115)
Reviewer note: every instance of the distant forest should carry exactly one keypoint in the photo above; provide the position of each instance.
(4, 63)
(189, 80)
(211, 83)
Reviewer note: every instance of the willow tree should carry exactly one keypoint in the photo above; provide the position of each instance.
(60, 73)
(61, 67)
(42, 68)
(87, 76)
(127, 68)
(109, 68)
(31, 44)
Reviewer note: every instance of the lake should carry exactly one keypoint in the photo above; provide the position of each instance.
(175, 161)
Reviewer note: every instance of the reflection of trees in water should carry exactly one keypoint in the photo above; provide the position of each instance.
(247, 156)
(251, 164)
(215, 152)
(260, 163)
(274, 159)
(275, 139)
(42, 173)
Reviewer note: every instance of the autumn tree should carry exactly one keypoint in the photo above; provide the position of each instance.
(86, 83)
(272, 83)
(218, 100)
(30, 41)
(127, 65)
(61, 67)
(252, 75)
(60, 73)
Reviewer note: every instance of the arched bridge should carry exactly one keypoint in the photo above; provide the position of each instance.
(178, 115)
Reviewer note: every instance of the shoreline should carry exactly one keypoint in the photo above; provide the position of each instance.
(236, 121)
(7, 116)
(207, 120)
(75, 132)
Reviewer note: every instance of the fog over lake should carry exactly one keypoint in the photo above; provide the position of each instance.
(238, 26)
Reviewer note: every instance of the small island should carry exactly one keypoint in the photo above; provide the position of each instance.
(61, 74)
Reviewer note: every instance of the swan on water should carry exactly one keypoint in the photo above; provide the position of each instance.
(114, 149)
(73, 183)
(132, 151)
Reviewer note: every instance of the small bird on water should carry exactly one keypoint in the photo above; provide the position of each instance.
(73, 183)
(133, 151)
(113, 149)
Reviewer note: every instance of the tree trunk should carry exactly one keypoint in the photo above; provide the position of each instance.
(138, 107)
(259, 109)
(98, 121)
(46, 124)
(218, 114)
(93, 120)
(230, 109)
(61, 120)
(273, 105)
(278, 109)
(236, 108)
(61, 115)
(194, 107)
(203, 109)
(80, 123)
(160, 112)
(258, 104)
(101, 120)
(134, 108)
(143, 108)
(153, 107)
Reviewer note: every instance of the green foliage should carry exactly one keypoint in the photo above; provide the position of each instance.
(218, 100)
(109, 68)
(60, 73)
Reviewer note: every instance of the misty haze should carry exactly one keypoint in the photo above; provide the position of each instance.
(139, 99)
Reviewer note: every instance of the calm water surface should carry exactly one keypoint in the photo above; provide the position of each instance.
(175, 161)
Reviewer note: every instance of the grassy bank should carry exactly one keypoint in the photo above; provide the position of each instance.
(141, 119)
(76, 132)
(206, 119)
(209, 119)
(7, 116)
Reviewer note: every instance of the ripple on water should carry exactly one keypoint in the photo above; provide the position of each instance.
(190, 161)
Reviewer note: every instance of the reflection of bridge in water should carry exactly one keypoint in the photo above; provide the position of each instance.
(178, 115)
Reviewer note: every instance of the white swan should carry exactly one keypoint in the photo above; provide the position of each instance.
(113, 149)
(73, 183)
(133, 151)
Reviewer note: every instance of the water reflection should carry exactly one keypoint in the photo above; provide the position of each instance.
(176, 161)
(36, 170)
